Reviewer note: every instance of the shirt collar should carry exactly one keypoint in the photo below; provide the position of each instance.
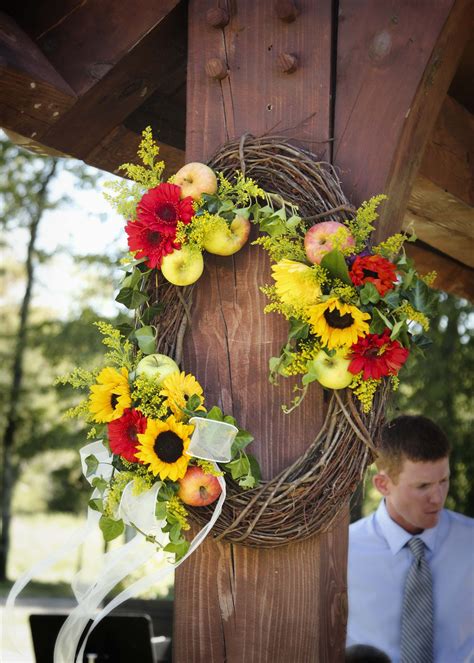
(396, 536)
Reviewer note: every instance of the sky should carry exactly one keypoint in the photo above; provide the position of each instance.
(88, 225)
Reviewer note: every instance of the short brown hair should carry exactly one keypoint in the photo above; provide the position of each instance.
(413, 437)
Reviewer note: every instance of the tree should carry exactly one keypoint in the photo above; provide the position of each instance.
(27, 192)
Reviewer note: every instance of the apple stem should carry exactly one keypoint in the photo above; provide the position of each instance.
(203, 492)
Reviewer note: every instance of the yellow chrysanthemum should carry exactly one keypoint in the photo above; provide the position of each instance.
(177, 389)
(338, 324)
(163, 447)
(110, 396)
(296, 283)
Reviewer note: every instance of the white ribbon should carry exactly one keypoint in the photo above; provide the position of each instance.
(135, 510)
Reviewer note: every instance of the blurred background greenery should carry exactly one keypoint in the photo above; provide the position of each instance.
(45, 333)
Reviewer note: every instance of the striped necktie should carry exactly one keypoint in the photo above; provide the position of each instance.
(417, 611)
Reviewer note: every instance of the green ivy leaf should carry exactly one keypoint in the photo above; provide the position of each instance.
(180, 549)
(96, 504)
(151, 313)
(239, 467)
(91, 464)
(99, 483)
(298, 329)
(193, 402)
(215, 413)
(111, 529)
(242, 439)
(422, 297)
(397, 328)
(369, 294)
(146, 339)
(161, 510)
(392, 299)
(384, 318)
(335, 264)
(131, 298)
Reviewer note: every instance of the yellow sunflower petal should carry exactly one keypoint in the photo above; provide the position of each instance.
(110, 396)
(295, 283)
(163, 447)
(177, 389)
(338, 324)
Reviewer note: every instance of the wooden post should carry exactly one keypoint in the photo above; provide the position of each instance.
(268, 67)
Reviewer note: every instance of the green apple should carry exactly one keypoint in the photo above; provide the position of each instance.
(225, 240)
(183, 267)
(156, 367)
(332, 372)
(196, 178)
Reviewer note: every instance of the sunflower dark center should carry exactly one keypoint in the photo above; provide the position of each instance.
(168, 446)
(166, 212)
(114, 401)
(368, 273)
(338, 321)
(153, 237)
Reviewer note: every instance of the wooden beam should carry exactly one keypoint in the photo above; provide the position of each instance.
(448, 160)
(441, 220)
(85, 40)
(234, 603)
(423, 111)
(120, 146)
(453, 276)
(154, 64)
(33, 96)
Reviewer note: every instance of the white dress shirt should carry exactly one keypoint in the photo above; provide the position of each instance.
(378, 566)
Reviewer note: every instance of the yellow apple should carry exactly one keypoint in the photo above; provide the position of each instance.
(196, 178)
(332, 372)
(157, 367)
(225, 240)
(183, 267)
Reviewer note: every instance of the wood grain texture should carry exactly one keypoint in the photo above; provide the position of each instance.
(394, 66)
(441, 220)
(446, 53)
(448, 160)
(154, 63)
(234, 603)
(84, 40)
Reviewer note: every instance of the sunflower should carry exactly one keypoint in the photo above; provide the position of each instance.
(147, 241)
(123, 434)
(177, 388)
(374, 269)
(338, 324)
(296, 283)
(162, 206)
(163, 447)
(110, 396)
(376, 355)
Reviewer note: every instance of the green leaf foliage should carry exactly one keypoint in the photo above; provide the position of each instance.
(335, 264)
(110, 528)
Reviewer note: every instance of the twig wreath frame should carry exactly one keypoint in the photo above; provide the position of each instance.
(308, 496)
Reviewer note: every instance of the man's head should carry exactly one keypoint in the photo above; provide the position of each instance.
(413, 471)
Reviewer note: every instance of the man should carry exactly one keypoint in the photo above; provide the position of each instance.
(411, 563)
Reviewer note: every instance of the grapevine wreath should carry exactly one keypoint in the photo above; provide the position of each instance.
(345, 301)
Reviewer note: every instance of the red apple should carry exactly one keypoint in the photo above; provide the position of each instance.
(197, 488)
(196, 178)
(319, 240)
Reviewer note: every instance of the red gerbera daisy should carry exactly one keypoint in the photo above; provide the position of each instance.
(379, 271)
(149, 242)
(377, 356)
(123, 434)
(162, 207)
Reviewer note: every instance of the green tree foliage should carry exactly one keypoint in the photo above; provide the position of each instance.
(440, 385)
(33, 346)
